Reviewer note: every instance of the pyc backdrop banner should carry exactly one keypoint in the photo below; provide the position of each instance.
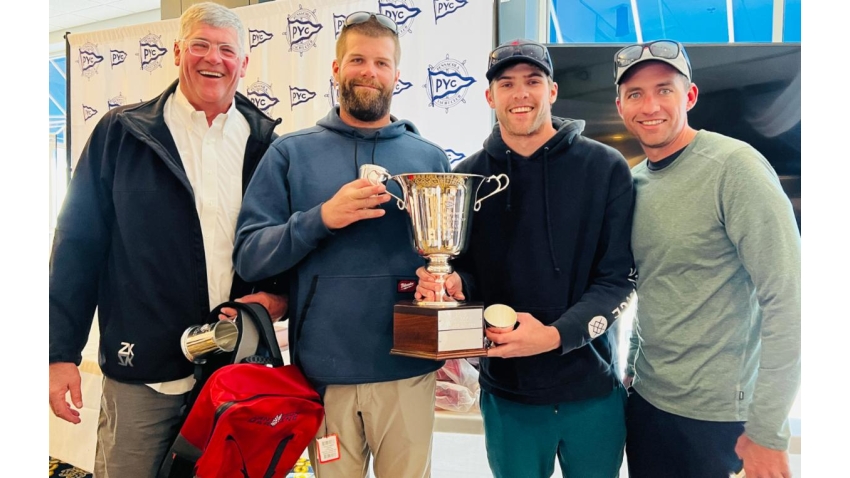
(444, 46)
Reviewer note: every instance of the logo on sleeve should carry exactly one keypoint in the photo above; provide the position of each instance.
(89, 59)
(448, 82)
(258, 37)
(406, 285)
(151, 52)
(402, 13)
(447, 7)
(301, 29)
(262, 96)
(597, 326)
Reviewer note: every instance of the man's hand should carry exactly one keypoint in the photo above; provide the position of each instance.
(65, 376)
(354, 202)
(530, 337)
(762, 462)
(275, 304)
(627, 381)
(428, 288)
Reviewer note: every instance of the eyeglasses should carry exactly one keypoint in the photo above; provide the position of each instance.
(363, 17)
(199, 47)
(528, 50)
(664, 49)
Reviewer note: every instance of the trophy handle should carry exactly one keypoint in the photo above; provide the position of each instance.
(379, 176)
(499, 188)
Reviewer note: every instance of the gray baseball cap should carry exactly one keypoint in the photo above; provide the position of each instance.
(667, 51)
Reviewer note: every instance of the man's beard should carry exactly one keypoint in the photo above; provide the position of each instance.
(367, 106)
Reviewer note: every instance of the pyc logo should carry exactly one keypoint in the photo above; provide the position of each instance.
(338, 21)
(447, 7)
(88, 112)
(299, 96)
(402, 14)
(400, 86)
(263, 97)
(118, 57)
(116, 101)
(151, 52)
(448, 82)
(454, 156)
(89, 59)
(333, 94)
(258, 37)
(301, 28)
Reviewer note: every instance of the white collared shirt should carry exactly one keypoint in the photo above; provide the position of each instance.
(212, 157)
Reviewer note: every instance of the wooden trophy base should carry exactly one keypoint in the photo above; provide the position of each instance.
(438, 332)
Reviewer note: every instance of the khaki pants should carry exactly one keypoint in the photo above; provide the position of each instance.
(136, 428)
(392, 420)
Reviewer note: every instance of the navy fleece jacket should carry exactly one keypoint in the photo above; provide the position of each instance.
(344, 283)
(555, 244)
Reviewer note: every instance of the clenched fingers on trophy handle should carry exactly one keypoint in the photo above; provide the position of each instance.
(499, 188)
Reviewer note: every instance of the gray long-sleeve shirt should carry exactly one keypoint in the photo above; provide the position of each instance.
(717, 249)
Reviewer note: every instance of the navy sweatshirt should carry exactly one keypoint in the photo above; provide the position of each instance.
(555, 244)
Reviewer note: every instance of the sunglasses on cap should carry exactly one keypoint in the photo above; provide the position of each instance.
(527, 50)
(668, 51)
(363, 17)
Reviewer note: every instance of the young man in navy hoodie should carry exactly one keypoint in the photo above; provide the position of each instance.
(349, 258)
(555, 247)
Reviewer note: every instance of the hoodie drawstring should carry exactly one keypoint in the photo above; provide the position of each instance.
(546, 209)
(375, 147)
(508, 205)
(356, 166)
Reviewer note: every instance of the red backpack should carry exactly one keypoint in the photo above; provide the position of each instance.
(251, 419)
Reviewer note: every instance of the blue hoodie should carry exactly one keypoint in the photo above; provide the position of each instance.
(343, 283)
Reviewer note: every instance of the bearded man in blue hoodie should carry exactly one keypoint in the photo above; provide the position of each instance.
(555, 247)
(349, 257)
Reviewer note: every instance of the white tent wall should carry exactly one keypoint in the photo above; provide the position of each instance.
(291, 47)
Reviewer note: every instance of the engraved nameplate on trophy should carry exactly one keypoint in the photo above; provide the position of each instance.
(440, 207)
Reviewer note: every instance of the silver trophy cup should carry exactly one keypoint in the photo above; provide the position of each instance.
(199, 340)
(440, 206)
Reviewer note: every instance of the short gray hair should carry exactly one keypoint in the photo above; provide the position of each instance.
(214, 15)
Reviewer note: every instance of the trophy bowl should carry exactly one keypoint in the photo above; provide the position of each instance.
(440, 206)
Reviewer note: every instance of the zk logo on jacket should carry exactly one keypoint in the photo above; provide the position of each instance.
(258, 37)
(151, 52)
(263, 97)
(402, 13)
(301, 29)
(89, 59)
(443, 8)
(298, 96)
(118, 57)
(116, 101)
(448, 82)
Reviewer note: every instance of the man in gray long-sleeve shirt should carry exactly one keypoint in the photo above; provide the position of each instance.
(715, 357)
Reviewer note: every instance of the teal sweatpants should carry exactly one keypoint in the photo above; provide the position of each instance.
(587, 436)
